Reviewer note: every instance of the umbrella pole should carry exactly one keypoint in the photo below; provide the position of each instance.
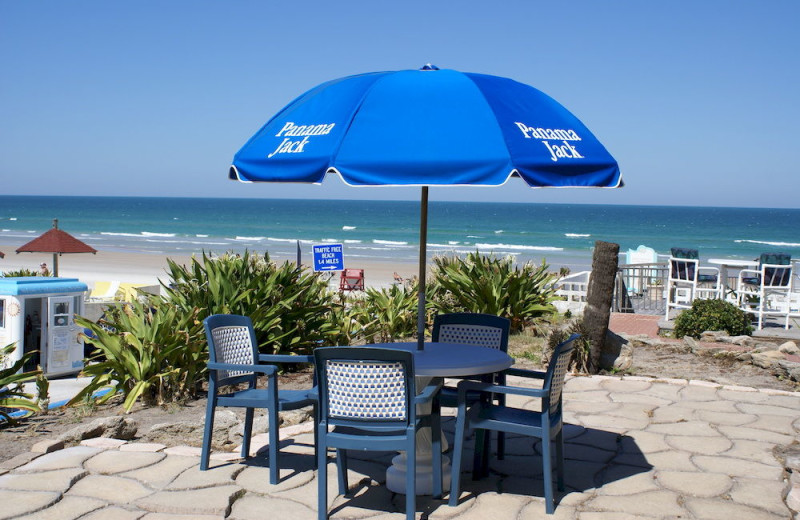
(55, 264)
(423, 247)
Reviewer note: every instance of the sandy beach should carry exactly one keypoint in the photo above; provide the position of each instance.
(148, 269)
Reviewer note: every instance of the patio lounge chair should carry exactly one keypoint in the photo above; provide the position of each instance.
(368, 401)
(233, 360)
(688, 281)
(545, 424)
(766, 291)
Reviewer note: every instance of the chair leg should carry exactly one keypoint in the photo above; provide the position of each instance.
(560, 459)
(411, 476)
(455, 470)
(480, 462)
(436, 446)
(341, 471)
(547, 472)
(273, 445)
(322, 476)
(209, 429)
(247, 432)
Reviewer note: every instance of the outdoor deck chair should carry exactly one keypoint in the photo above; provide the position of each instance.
(545, 424)
(766, 291)
(688, 281)
(234, 360)
(352, 280)
(485, 330)
(368, 401)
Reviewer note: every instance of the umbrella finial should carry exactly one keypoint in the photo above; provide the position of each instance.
(429, 66)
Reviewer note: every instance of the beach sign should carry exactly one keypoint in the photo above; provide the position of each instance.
(328, 257)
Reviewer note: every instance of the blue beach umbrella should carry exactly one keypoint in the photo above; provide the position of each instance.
(426, 127)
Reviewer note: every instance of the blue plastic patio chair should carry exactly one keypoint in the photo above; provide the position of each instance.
(368, 401)
(485, 330)
(234, 360)
(545, 424)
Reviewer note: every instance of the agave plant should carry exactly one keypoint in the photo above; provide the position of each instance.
(289, 306)
(491, 285)
(144, 351)
(387, 314)
(12, 396)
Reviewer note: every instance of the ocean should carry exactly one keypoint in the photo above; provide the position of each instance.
(561, 234)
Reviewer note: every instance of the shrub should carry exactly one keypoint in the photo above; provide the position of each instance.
(486, 284)
(145, 351)
(288, 305)
(12, 395)
(21, 273)
(387, 314)
(712, 315)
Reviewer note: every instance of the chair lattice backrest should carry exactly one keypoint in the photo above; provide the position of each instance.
(232, 344)
(776, 276)
(684, 263)
(365, 384)
(557, 371)
(482, 330)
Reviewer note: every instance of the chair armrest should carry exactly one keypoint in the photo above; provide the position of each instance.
(234, 367)
(284, 358)
(521, 372)
(708, 268)
(314, 394)
(465, 386)
(753, 273)
(429, 392)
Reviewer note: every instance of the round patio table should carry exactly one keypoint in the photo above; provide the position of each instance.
(439, 360)
(724, 264)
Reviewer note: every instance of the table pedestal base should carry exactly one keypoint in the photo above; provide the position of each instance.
(396, 474)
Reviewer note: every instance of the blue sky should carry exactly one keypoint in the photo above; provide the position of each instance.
(697, 100)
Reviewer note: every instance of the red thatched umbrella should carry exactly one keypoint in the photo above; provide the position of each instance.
(57, 242)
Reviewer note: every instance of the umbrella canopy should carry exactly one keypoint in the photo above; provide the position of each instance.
(426, 127)
(57, 242)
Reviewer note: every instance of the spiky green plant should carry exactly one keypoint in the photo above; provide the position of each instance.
(12, 395)
(289, 305)
(492, 285)
(387, 314)
(145, 351)
(21, 273)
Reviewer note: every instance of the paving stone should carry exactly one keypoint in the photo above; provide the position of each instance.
(777, 423)
(634, 411)
(698, 391)
(256, 479)
(112, 489)
(641, 398)
(164, 516)
(252, 507)
(159, 475)
(61, 459)
(306, 492)
(142, 447)
(643, 442)
(47, 446)
(583, 453)
(598, 438)
(209, 501)
(369, 499)
(755, 434)
(592, 407)
(582, 384)
(711, 406)
(19, 460)
(670, 392)
(103, 443)
(496, 506)
(707, 384)
(768, 409)
(614, 423)
(793, 498)
(725, 418)
(710, 509)
(578, 474)
(650, 503)
(113, 462)
(184, 451)
(693, 483)
(700, 445)
(625, 385)
(621, 480)
(763, 494)
(737, 388)
(588, 396)
(737, 467)
(671, 461)
(753, 450)
(593, 515)
(68, 508)
(672, 414)
(16, 503)
(58, 480)
(113, 513)
(689, 428)
(193, 478)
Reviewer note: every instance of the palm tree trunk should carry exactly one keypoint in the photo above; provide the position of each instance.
(599, 295)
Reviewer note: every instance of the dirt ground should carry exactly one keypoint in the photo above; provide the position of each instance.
(647, 361)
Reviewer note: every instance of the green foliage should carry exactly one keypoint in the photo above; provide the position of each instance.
(486, 284)
(148, 351)
(12, 396)
(387, 314)
(712, 315)
(580, 355)
(21, 273)
(289, 306)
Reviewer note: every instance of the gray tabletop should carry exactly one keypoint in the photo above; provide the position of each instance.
(453, 359)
